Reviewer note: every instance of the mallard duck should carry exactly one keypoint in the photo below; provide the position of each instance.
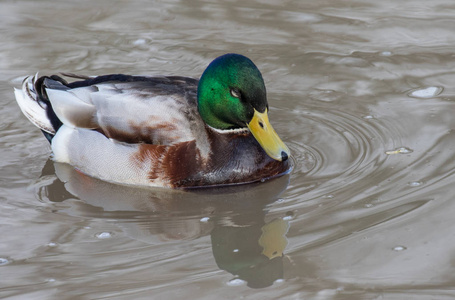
(166, 131)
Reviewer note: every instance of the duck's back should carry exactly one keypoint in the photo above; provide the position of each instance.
(132, 109)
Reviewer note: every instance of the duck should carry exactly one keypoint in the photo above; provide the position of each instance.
(160, 131)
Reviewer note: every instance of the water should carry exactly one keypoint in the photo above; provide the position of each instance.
(363, 94)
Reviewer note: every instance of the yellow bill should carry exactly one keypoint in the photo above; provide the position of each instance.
(266, 136)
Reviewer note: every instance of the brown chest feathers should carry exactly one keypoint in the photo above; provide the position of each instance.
(233, 159)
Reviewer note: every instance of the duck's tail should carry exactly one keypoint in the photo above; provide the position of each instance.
(35, 105)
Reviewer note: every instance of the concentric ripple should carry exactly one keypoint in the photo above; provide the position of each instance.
(338, 148)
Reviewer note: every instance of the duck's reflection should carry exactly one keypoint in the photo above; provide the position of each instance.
(243, 243)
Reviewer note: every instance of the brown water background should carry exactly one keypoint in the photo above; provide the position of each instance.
(363, 92)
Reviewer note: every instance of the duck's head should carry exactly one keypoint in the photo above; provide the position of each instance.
(231, 95)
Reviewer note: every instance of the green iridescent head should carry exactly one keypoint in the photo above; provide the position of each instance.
(231, 94)
(229, 89)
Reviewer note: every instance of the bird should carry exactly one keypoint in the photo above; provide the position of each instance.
(161, 131)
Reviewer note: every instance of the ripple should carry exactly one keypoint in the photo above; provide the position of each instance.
(415, 183)
(236, 282)
(428, 92)
(386, 53)
(399, 248)
(289, 216)
(139, 42)
(4, 261)
(337, 148)
(306, 159)
(104, 235)
(326, 95)
(400, 150)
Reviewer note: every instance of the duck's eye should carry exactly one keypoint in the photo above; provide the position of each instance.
(235, 93)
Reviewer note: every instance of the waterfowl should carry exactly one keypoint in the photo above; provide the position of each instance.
(166, 131)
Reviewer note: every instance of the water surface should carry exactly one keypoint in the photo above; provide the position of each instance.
(360, 91)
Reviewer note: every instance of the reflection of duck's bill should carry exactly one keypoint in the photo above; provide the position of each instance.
(267, 137)
(273, 239)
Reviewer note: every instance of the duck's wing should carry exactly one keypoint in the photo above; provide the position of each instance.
(131, 109)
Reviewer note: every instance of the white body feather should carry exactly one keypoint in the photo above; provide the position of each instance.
(101, 157)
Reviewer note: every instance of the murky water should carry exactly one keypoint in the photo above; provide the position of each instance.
(362, 92)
